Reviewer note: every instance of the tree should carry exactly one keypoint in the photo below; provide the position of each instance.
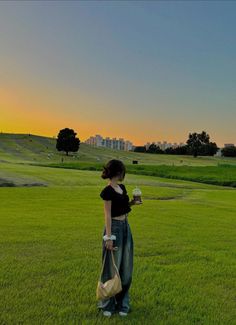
(181, 150)
(199, 144)
(209, 149)
(204, 137)
(140, 149)
(194, 143)
(169, 151)
(159, 150)
(229, 151)
(152, 148)
(67, 141)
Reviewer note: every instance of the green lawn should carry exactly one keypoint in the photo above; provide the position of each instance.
(39, 149)
(222, 174)
(184, 249)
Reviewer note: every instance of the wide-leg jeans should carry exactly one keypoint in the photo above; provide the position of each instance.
(123, 257)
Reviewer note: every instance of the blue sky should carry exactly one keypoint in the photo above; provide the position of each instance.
(144, 70)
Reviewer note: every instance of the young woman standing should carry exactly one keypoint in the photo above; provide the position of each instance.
(117, 236)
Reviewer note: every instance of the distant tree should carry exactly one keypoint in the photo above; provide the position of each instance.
(209, 149)
(67, 141)
(159, 150)
(152, 148)
(181, 150)
(204, 137)
(171, 151)
(229, 151)
(194, 144)
(199, 144)
(140, 149)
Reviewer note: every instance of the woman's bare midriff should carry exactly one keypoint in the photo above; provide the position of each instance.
(121, 217)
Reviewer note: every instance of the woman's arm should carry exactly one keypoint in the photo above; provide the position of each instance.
(107, 212)
(131, 202)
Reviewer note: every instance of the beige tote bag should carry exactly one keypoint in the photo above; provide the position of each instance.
(110, 287)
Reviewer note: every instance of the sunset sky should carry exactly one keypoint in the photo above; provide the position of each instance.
(145, 71)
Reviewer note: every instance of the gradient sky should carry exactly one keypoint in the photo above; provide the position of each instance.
(145, 71)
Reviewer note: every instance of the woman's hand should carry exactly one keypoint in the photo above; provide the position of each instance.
(109, 244)
(134, 202)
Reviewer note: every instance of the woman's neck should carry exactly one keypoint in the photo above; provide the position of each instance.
(113, 183)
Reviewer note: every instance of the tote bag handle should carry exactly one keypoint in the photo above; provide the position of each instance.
(113, 262)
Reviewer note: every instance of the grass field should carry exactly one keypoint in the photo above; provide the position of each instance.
(25, 148)
(222, 174)
(50, 248)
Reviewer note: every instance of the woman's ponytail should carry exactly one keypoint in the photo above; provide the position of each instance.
(105, 173)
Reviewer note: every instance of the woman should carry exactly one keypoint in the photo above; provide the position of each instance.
(117, 236)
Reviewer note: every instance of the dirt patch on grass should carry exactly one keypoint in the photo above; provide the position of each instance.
(10, 183)
(176, 197)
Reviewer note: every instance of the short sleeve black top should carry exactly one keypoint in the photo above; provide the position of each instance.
(120, 202)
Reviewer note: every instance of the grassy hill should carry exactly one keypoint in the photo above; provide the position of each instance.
(39, 150)
(33, 148)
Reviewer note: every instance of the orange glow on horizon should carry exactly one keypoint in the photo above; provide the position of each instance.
(27, 114)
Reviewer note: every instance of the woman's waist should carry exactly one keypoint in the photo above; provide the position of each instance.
(121, 217)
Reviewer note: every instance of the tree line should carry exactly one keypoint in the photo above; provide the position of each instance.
(197, 144)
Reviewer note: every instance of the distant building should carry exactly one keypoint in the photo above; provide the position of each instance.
(164, 145)
(228, 145)
(218, 153)
(114, 143)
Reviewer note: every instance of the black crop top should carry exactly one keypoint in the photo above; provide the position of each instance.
(120, 202)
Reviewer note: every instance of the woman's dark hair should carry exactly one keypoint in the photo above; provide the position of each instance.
(113, 168)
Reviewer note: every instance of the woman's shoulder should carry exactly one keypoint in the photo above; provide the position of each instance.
(107, 188)
(106, 193)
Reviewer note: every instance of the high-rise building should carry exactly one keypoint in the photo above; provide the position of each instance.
(228, 145)
(164, 145)
(114, 143)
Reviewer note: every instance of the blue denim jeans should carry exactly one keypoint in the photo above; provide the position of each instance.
(123, 257)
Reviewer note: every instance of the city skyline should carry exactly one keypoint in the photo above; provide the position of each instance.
(99, 140)
(157, 142)
(138, 70)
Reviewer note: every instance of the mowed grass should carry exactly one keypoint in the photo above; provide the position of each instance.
(51, 244)
(222, 174)
(27, 148)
